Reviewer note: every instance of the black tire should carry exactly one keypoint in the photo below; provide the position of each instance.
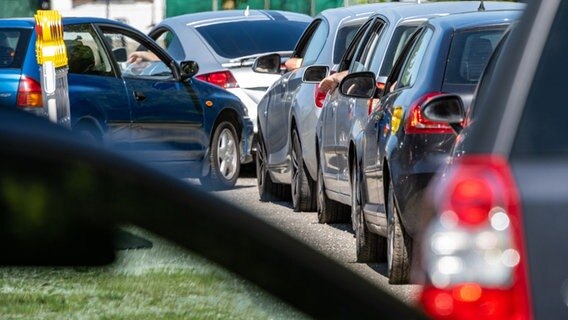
(303, 188)
(399, 244)
(267, 190)
(329, 211)
(224, 158)
(369, 246)
(89, 133)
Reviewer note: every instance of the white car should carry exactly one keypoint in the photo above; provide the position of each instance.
(226, 43)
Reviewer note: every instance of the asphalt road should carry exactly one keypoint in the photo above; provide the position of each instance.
(334, 240)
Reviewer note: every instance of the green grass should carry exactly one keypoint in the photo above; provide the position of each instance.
(164, 282)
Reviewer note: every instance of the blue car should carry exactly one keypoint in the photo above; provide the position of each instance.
(151, 108)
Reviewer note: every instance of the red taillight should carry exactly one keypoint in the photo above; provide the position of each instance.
(29, 93)
(416, 123)
(223, 79)
(473, 251)
(319, 97)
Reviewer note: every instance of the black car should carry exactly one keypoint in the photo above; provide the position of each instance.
(401, 150)
(499, 219)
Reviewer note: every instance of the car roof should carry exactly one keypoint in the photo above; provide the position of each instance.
(474, 19)
(340, 15)
(228, 16)
(405, 13)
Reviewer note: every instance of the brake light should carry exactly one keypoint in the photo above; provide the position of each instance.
(223, 79)
(319, 97)
(473, 253)
(29, 93)
(416, 123)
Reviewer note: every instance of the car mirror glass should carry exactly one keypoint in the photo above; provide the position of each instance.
(269, 63)
(189, 69)
(359, 85)
(315, 74)
(446, 108)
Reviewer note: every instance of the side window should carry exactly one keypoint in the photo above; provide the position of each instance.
(349, 56)
(315, 44)
(134, 59)
(85, 52)
(364, 57)
(399, 39)
(411, 66)
(170, 42)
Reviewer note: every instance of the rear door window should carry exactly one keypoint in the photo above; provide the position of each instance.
(344, 36)
(399, 38)
(13, 47)
(170, 42)
(469, 54)
(85, 52)
(239, 39)
(315, 44)
(411, 67)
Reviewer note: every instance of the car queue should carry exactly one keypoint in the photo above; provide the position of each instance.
(404, 88)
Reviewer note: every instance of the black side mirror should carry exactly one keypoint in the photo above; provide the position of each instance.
(446, 108)
(188, 69)
(120, 54)
(358, 85)
(315, 74)
(269, 63)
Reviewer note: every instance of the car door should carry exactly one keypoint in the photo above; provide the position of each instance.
(351, 112)
(166, 113)
(96, 93)
(383, 120)
(278, 111)
(331, 163)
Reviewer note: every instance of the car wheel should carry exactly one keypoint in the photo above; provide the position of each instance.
(89, 133)
(399, 244)
(225, 160)
(368, 245)
(302, 187)
(267, 189)
(329, 211)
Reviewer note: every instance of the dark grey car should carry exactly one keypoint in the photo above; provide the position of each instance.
(287, 114)
(499, 215)
(375, 49)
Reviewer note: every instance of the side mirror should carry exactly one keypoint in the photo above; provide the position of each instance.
(358, 85)
(188, 69)
(120, 54)
(315, 74)
(446, 108)
(269, 63)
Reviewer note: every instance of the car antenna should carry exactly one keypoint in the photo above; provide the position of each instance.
(481, 6)
(247, 11)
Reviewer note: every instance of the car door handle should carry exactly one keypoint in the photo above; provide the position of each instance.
(139, 96)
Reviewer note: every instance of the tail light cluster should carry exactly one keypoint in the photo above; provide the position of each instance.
(319, 97)
(472, 251)
(416, 123)
(223, 79)
(29, 93)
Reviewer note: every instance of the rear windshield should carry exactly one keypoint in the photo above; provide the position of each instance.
(342, 41)
(399, 39)
(13, 46)
(469, 53)
(244, 38)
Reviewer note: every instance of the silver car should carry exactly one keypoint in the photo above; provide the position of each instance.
(226, 43)
(287, 115)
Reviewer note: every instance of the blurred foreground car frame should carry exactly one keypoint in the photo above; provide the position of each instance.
(78, 181)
